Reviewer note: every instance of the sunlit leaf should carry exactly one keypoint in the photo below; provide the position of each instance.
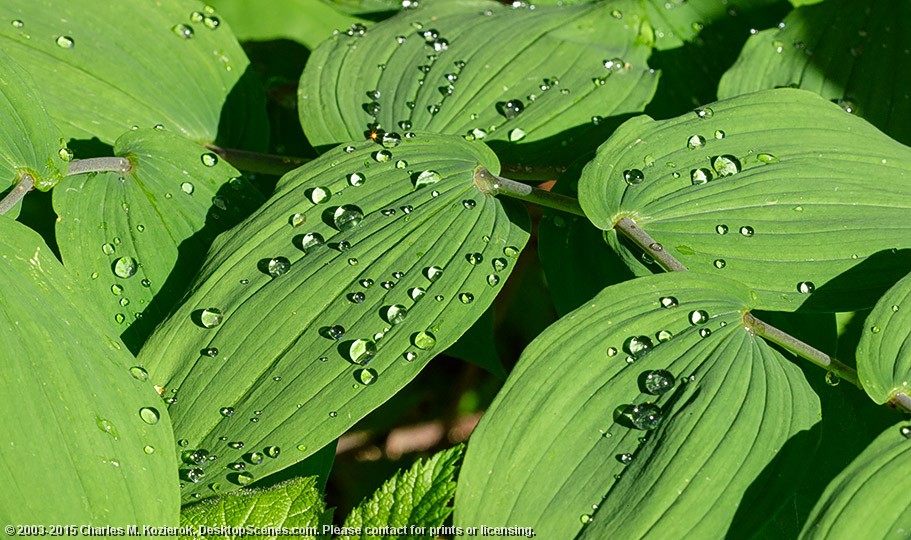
(884, 351)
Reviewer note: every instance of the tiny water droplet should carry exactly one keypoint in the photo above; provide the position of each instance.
(612, 351)
(148, 449)
(469, 203)
(746, 230)
(719, 134)
(499, 264)
(357, 298)
(17, 23)
(211, 317)
(182, 30)
(625, 459)
(585, 519)
(704, 332)
(719, 263)
(721, 229)
(139, 373)
(806, 287)
(905, 431)
(211, 352)
(335, 332)
(663, 336)
(766, 158)
(511, 108)
(65, 42)
(874, 329)
(310, 242)
(704, 112)
(244, 478)
(227, 412)
(272, 451)
(832, 378)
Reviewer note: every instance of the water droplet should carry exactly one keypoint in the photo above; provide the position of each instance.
(362, 351)
(18, 24)
(116, 289)
(382, 156)
(766, 158)
(139, 373)
(806, 287)
(211, 352)
(698, 316)
(832, 378)
(254, 458)
(511, 108)
(187, 188)
(637, 346)
(895, 308)
(516, 134)
(195, 474)
(499, 264)
(700, 176)
(297, 219)
(349, 149)
(319, 195)
(65, 154)
(704, 332)
(719, 263)
(182, 30)
(719, 134)
(721, 229)
(633, 176)
(401, 164)
(244, 478)
(704, 112)
(357, 298)
(347, 217)
(694, 142)
(310, 242)
(474, 258)
(65, 42)
(746, 230)
(645, 416)
(625, 459)
(668, 302)
(149, 415)
(391, 140)
(387, 285)
(905, 431)
(366, 283)
(466, 297)
(278, 266)
(106, 426)
(227, 411)
(663, 336)
(211, 22)
(395, 314)
(335, 332)
(433, 273)
(424, 340)
(585, 519)
(612, 351)
(493, 280)
(726, 165)
(365, 376)
(874, 329)
(148, 449)
(108, 249)
(211, 317)
(209, 159)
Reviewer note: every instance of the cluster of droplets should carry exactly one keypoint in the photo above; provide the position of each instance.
(206, 17)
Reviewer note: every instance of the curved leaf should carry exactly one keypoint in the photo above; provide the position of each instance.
(514, 77)
(293, 505)
(124, 236)
(77, 448)
(835, 49)
(816, 197)
(308, 22)
(868, 499)
(554, 453)
(884, 351)
(29, 142)
(360, 7)
(276, 351)
(96, 82)
(677, 21)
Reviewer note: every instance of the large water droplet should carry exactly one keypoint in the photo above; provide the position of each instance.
(187, 188)
(319, 195)
(65, 42)
(694, 142)
(356, 179)
(395, 314)
(365, 376)
(362, 351)
(701, 176)
(382, 156)
(633, 176)
(211, 317)
(424, 340)
(347, 217)
(335, 332)
(637, 346)
(125, 267)
(645, 416)
(139, 373)
(149, 415)
(698, 316)
(511, 108)
(658, 381)
(433, 273)
(209, 159)
(726, 165)
(806, 287)
(278, 266)
(244, 478)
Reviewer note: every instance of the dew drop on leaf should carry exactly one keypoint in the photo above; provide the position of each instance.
(746, 230)
(633, 176)
(806, 287)
(310, 242)
(365, 376)
(125, 267)
(667, 302)
(726, 165)
(357, 298)
(187, 188)
(698, 316)
(319, 195)
(433, 273)
(209, 159)
(65, 42)
(511, 108)
(695, 141)
(347, 217)
(704, 112)
(493, 280)
(395, 314)
(139, 373)
(721, 229)
(211, 317)
(278, 266)
(149, 415)
(766, 158)
(832, 378)
(719, 263)
(227, 412)
(466, 297)
(182, 30)
(382, 156)
(700, 176)
(244, 478)
(424, 340)
(645, 416)
(297, 219)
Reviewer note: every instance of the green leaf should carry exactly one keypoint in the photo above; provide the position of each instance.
(859, 42)
(277, 360)
(308, 22)
(85, 443)
(677, 21)
(295, 506)
(549, 61)
(30, 143)
(811, 208)
(136, 239)
(883, 354)
(550, 452)
(102, 71)
(417, 498)
(360, 7)
(868, 499)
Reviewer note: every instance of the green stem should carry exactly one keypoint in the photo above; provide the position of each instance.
(628, 228)
(25, 185)
(798, 347)
(256, 162)
(492, 184)
(100, 164)
(901, 401)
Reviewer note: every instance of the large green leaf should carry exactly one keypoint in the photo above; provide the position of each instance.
(884, 351)
(677, 21)
(813, 214)
(412, 503)
(835, 49)
(29, 142)
(84, 442)
(135, 239)
(293, 508)
(370, 6)
(868, 499)
(385, 237)
(101, 71)
(514, 77)
(308, 22)
(554, 453)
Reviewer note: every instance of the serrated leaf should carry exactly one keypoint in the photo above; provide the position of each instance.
(293, 508)
(549, 61)
(417, 498)
(277, 359)
(97, 80)
(677, 21)
(308, 22)
(816, 198)
(550, 453)
(860, 42)
(30, 143)
(884, 351)
(868, 499)
(135, 239)
(85, 443)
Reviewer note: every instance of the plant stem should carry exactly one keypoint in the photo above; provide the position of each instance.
(798, 347)
(901, 401)
(100, 164)
(492, 184)
(628, 228)
(256, 162)
(26, 184)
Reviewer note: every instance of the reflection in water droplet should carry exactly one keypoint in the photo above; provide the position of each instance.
(319, 195)
(209, 159)
(433, 273)
(149, 415)
(698, 316)
(625, 459)
(726, 165)
(832, 378)
(645, 416)
(427, 178)
(493, 280)
(297, 219)
(278, 266)
(382, 156)
(694, 142)
(182, 30)
(365, 376)
(806, 287)
(361, 351)
(633, 176)
(211, 317)
(65, 42)
(424, 340)
(395, 314)
(700, 176)
(391, 140)
(347, 217)
(108, 249)
(466, 298)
